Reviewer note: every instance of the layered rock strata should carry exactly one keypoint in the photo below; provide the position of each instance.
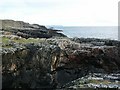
(55, 62)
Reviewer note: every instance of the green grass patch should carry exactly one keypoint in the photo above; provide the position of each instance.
(7, 42)
(99, 81)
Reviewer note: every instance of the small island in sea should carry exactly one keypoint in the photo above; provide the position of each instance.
(34, 56)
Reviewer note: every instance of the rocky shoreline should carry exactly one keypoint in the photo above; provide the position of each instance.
(96, 80)
(55, 62)
(27, 30)
(59, 62)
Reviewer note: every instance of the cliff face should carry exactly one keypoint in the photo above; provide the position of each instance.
(32, 59)
(28, 67)
(6, 24)
(56, 62)
(27, 30)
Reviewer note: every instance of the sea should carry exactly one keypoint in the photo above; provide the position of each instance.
(101, 32)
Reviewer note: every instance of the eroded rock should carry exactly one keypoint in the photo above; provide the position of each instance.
(56, 62)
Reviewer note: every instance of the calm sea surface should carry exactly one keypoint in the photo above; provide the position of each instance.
(106, 32)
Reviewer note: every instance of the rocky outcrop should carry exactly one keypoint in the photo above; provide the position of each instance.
(96, 81)
(29, 66)
(57, 61)
(80, 59)
(11, 24)
(27, 30)
(29, 61)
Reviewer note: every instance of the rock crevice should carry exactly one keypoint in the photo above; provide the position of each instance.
(56, 63)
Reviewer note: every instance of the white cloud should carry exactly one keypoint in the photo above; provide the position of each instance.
(61, 12)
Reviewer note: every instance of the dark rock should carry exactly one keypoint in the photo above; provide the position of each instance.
(27, 30)
(95, 80)
(29, 67)
(56, 62)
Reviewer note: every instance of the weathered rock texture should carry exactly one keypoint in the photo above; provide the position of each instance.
(52, 62)
(57, 62)
(6, 24)
(27, 30)
(29, 67)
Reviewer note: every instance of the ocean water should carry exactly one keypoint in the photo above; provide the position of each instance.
(102, 32)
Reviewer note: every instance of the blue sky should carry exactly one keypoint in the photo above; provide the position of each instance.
(62, 12)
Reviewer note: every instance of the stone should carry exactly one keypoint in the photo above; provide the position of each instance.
(27, 30)
(56, 60)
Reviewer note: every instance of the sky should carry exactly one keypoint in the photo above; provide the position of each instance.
(62, 12)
